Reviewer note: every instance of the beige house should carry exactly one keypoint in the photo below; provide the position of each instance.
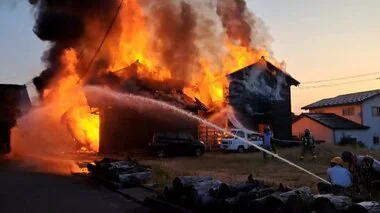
(356, 115)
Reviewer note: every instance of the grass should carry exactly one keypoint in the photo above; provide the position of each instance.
(233, 167)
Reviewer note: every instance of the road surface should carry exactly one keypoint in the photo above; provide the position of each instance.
(22, 191)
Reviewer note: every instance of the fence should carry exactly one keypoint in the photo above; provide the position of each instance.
(210, 136)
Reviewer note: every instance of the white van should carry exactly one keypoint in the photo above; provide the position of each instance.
(231, 143)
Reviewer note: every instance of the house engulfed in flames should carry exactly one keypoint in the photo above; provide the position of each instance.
(183, 49)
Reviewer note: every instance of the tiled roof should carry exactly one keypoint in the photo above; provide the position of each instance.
(353, 98)
(332, 121)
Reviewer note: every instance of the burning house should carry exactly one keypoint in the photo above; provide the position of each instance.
(14, 102)
(131, 126)
(260, 96)
(176, 51)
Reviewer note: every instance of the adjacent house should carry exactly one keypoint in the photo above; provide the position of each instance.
(260, 96)
(355, 115)
(14, 102)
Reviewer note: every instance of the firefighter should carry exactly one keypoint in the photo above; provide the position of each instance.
(365, 170)
(308, 145)
(268, 142)
(340, 177)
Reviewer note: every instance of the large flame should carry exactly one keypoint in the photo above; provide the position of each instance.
(137, 41)
(69, 105)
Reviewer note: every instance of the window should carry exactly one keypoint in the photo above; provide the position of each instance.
(253, 137)
(376, 140)
(348, 111)
(240, 134)
(375, 111)
(184, 136)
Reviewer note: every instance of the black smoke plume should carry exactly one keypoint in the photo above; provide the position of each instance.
(63, 23)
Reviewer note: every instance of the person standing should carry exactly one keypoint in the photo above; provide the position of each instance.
(308, 145)
(268, 142)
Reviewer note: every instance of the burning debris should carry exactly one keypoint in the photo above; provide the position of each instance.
(176, 48)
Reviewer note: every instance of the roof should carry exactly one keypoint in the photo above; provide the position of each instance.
(176, 98)
(267, 66)
(347, 99)
(331, 121)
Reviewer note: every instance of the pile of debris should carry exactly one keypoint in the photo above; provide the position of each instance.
(205, 194)
(120, 173)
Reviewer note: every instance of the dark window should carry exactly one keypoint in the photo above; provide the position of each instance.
(240, 134)
(171, 135)
(253, 137)
(184, 136)
(348, 111)
(375, 111)
(376, 140)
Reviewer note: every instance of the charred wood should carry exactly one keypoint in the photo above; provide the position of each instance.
(365, 207)
(135, 178)
(327, 203)
(276, 201)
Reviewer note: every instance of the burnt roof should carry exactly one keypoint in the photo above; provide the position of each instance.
(331, 121)
(347, 99)
(175, 98)
(266, 66)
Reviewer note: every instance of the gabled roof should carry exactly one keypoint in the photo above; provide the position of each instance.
(332, 121)
(265, 66)
(347, 99)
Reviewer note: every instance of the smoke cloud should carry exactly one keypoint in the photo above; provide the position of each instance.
(181, 33)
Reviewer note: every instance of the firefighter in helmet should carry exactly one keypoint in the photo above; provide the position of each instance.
(365, 170)
(308, 145)
(340, 178)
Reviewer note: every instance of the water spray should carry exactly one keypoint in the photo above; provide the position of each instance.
(101, 92)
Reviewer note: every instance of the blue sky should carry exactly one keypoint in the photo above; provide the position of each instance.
(317, 39)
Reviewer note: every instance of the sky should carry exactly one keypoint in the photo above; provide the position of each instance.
(317, 39)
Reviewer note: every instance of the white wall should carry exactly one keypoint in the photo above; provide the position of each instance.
(372, 122)
(360, 135)
(319, 131)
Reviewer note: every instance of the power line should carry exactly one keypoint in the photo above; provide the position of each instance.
(102, 42)
(344, 83)
(341, 78)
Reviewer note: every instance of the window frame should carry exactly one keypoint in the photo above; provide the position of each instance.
(348, 111)
(375, 113)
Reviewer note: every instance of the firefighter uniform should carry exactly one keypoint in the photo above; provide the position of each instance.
(365, 171)
(308, 145)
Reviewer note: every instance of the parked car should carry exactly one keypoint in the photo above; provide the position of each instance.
(230, 143)
(176, 143)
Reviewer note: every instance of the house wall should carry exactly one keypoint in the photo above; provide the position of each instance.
(338, 110)
(319, 131)
(371, 121)
(260, 99)
(360, 135)
(123, 130)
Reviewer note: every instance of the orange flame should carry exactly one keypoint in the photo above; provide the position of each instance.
(69, 104)
(135, 42)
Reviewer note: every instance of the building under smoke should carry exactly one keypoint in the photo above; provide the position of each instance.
(14, 102)
(260, 95)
